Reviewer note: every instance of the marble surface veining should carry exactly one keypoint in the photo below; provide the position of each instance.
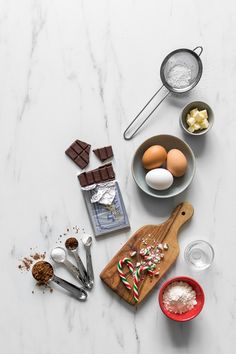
(82, 69)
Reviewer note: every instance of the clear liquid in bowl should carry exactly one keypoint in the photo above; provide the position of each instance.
(199, 254)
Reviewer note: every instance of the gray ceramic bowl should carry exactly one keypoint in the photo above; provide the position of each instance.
(168, 142)
(200, 105)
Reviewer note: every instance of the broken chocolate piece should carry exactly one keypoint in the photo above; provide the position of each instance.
(79, 153)
(102, 174)
(104, 153)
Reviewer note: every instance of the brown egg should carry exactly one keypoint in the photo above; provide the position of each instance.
(154, 157)
(176, 163)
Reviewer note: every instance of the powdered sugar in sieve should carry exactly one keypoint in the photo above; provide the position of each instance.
(179, 76)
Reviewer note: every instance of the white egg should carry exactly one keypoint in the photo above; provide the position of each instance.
(159, 179)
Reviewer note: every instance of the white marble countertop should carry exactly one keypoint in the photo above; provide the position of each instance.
(82, 69)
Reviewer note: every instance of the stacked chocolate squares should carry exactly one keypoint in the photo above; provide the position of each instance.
(79, 153)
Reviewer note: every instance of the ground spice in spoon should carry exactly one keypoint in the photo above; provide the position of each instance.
(42, 271)
(71, 243)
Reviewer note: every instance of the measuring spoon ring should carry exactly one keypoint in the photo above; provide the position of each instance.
(43, 272)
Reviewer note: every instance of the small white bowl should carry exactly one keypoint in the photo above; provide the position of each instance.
(200, 106)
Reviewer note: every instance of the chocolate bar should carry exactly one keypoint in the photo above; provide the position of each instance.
(104, 153)
(79, 153)
(102, 174)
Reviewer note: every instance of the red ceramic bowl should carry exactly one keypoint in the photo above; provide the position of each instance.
(189, 315)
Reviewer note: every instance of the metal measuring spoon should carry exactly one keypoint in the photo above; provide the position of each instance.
(43, 272)
(72, 245)
(87, 241)
(58, 255)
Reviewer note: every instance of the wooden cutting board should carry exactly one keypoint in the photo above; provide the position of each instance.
(166, 232)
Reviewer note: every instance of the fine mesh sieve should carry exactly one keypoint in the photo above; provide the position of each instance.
(180, 71)
(181, 59)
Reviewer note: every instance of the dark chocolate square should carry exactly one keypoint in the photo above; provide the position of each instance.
(90, 178)
(80, 162)
(71, 153)
(97, 176)
(77, 148)
(110, 172)
(109, 151)
(82, 144)
(104, 174)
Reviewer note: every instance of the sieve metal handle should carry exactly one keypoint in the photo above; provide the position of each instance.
(129, 137)
(200, 48)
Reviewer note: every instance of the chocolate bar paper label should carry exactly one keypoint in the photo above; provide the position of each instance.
(107, 218)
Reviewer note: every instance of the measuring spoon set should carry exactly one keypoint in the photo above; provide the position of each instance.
(83, 275)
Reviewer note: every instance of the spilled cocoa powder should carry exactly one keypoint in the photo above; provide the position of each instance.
(42, 287)
(25, 264)
(71, 243)
(38, 256)
(27, 261)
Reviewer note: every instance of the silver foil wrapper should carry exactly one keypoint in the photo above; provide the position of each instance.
(102, 193)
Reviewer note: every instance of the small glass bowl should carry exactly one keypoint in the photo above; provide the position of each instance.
(199, 254)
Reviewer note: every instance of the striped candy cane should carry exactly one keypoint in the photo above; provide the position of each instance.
(120, 265)
(137, 277)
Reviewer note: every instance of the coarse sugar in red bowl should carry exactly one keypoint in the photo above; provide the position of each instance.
(189, 315)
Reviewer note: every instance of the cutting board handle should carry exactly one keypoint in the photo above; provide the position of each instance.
(182, 213)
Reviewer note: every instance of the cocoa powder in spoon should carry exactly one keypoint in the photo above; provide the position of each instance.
(42, 271)
(71, 243)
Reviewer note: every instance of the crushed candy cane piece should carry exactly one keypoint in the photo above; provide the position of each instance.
(133, 253)
(166, 246)
(160, 246)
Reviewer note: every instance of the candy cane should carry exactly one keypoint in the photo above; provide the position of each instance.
(137, 277)
(120, 265)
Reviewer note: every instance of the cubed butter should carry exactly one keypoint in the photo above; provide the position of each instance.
(191, 121)
(197, 126)
(199, 117)
(197, 120)
(191, 129)
(204, 113)
(204, 124)
(193, 111)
